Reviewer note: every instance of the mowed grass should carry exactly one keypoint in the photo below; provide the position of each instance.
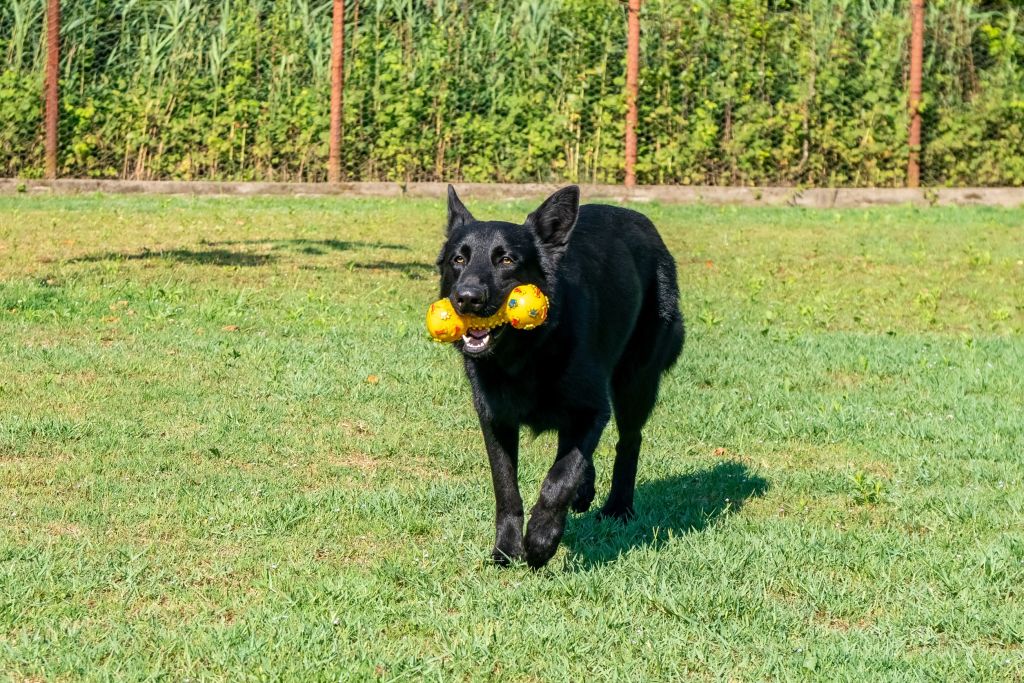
(228, 452)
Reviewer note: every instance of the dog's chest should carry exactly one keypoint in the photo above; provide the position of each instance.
(543, 408)
(536, 397)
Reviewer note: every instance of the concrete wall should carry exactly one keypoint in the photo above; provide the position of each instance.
(742, 196)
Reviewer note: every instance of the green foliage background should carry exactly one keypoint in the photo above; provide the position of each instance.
(806, 92)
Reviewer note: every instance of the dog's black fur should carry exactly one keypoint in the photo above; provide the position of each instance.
(613, 328)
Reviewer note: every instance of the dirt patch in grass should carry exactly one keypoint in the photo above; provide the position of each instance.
(356, 460)
(63, 529)
(845, 380)
(362, 551)
(366, 464)
(834, 623)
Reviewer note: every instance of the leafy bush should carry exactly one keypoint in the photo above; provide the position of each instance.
(797, 92)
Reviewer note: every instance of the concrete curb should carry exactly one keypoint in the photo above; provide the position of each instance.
(821, 198)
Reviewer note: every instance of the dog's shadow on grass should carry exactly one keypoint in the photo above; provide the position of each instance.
(667, 507)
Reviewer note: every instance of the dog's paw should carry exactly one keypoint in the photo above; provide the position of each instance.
(504, 558)
(539, 551)
(508, 544)
(543, 535)
(622, 513)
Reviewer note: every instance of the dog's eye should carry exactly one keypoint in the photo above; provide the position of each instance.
(459, 260)
(506, 261)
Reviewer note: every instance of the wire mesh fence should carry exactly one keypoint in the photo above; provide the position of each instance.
(731, 92)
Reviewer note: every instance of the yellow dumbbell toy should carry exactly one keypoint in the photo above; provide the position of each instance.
(525, 309)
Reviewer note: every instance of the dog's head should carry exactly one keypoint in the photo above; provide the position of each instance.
(481, 261)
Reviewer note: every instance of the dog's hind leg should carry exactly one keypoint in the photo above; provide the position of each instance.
(633, 403)
(634, 393)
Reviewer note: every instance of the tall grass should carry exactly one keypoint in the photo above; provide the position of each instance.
(749, 91)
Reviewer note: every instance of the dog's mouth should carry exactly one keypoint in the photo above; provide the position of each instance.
(476, 341)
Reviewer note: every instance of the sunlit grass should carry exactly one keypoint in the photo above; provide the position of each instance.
(227, 450)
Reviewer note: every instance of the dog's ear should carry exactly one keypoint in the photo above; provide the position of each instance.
(554, 220)
(458, 214)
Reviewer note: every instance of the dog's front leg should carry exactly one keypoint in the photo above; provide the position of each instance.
(560, 488)
(503, 452)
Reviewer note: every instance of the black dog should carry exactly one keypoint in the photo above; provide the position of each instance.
(613, 328)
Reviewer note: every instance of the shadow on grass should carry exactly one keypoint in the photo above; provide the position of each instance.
(312, 247)
(412, 270)
(215, 253)
(676, 505)
(206, 257)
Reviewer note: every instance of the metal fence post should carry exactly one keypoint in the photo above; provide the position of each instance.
(632, 86)
(337, 86)
(916, 60)
(52, 76)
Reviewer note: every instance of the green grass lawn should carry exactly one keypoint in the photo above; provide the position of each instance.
(229, 451)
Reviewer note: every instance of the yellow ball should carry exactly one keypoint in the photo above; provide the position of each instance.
(443, 323)
(526, 307)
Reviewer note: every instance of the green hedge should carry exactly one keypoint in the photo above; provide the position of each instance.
(809, 92)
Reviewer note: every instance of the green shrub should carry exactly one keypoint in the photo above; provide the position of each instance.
(792, 92)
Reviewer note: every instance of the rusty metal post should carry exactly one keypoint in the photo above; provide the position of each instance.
(337, 86)
(52, 76)
(916, 61)
(632, 86)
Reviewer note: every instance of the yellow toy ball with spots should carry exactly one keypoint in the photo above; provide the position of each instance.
(525, 309)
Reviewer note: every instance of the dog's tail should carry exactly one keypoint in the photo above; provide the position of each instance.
(667, 293)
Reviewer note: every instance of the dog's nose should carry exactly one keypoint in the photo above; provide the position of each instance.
(471, 299)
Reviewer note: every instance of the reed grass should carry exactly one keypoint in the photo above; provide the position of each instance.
(809, 92)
